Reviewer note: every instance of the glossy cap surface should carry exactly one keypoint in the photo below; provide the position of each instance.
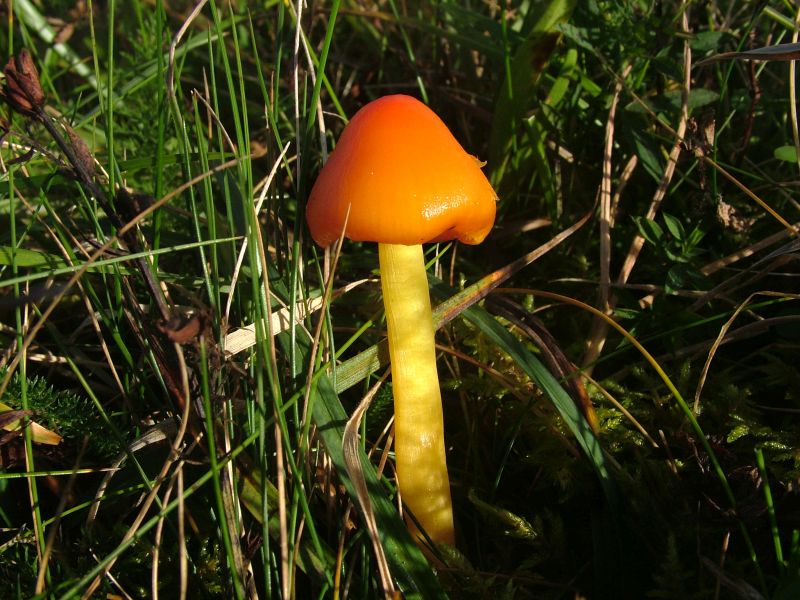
(403, 178)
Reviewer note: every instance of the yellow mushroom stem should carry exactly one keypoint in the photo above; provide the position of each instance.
(418, 420)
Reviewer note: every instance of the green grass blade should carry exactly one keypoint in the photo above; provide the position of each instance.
(523, 72)
(539, 374)
(773, 521)
(407, 563)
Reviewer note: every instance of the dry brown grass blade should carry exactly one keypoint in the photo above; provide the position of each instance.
(343, 535)
(280, 320)
(669, 171)
(605, 194)
(92, 315)
(183, 567)
(768, 241)
(450, 309)
(54, 527)
(174, 454)
(156, 551)
(760, 269)
(777, 52)
(176, 39)
(721, 338)
(234, 523)
(11, 420)
(793, 95)
(355, 471)
(624, 178)
(599, 330)
(156, 434)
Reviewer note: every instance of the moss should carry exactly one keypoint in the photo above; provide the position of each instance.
(70, 415)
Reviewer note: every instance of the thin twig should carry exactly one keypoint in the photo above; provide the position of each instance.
(598, 332)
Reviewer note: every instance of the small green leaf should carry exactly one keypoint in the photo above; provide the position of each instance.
(702, 97)
(590, 87)
(670, 253)
(626, 313)
(786, 153)
(675, 280)
(695, 236)
(648, 152)
(671, 101)
(674, 226)
(705, 41)
(649, 229)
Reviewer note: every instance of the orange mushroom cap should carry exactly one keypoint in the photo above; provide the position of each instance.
(403, 178)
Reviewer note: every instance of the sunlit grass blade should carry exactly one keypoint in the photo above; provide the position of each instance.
(685, 408)
(539, 374)
(407, 563)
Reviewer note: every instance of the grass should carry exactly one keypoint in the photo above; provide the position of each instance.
(151, 210)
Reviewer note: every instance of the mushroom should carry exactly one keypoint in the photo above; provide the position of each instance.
(398, 177)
